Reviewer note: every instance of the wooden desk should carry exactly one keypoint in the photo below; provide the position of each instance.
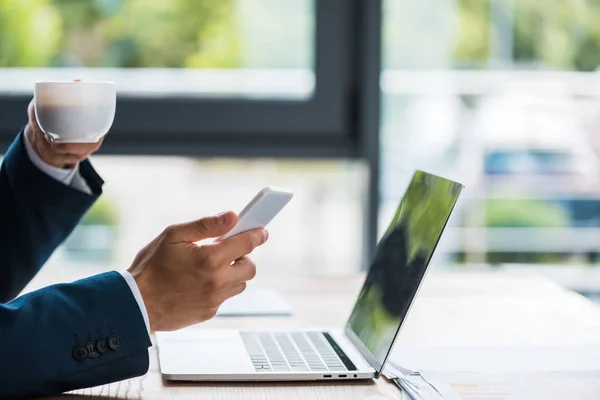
(451, 309)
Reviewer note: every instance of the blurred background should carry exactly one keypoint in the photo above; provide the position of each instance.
(339, 101)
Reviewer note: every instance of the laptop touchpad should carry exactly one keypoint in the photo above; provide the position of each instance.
(206, 352)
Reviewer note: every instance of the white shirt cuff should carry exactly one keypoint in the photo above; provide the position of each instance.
(138, 297)
(69, 177)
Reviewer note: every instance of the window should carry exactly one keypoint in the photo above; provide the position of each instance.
(195, 77)
(230, 48)
(499, 94)
(502, 95)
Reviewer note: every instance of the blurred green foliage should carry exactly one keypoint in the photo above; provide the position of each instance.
(524, 213)
(562, 34)
(119, 33)
(103, 212)
(473, 35)
(550, 34)
(30, 34)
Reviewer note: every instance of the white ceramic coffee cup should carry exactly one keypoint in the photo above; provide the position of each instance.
(75, 112)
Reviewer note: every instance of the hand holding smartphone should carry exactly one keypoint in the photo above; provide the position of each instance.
(260, 210)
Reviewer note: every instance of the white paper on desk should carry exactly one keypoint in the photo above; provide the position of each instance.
(497, 359)
(531, 386)
(465, 386)
(580, 385)
(255, 303)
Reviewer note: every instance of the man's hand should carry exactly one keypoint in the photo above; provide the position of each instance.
(59, 155)
(183, 283)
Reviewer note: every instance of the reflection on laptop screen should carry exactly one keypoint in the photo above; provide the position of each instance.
(400, 262)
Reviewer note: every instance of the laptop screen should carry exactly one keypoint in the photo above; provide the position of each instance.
(399, 264)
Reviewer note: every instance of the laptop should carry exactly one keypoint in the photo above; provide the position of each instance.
(357, 351)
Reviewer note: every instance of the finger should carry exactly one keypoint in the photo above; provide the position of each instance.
(237, 246)
(233, 291)
(243, 270)
(79, 149)
(31, 111)
(44, 150)
(33, 124)
(208, 227)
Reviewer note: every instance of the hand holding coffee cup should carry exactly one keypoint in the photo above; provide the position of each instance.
(75, 112)
(68, 120)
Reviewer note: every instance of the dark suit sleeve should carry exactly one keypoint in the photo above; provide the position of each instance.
(43, 335)
(37, 213)
(67, 336)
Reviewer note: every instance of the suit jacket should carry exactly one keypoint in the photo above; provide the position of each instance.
(66, 336)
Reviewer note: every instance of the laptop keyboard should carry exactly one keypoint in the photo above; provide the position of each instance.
(295, 352)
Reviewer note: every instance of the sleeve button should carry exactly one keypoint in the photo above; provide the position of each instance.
(102, 346)
(114, 342)
(80, 353)
(92, 351)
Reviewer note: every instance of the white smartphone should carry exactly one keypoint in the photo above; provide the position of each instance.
(260, 211)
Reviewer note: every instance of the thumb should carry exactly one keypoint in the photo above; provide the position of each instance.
(208, 227)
